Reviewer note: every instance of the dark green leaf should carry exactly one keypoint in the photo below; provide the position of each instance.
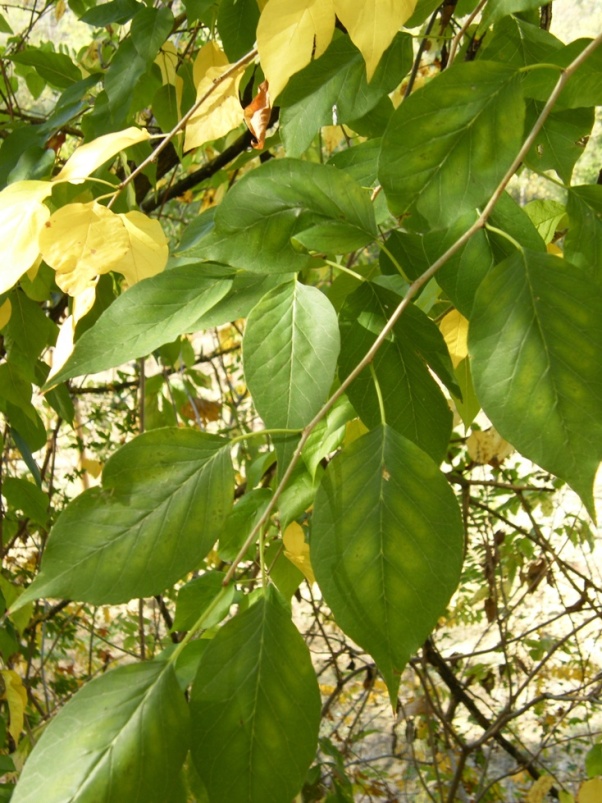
(122, 737)
(535, 337)
(127, 81)
(236, 23)
(150, 28)
(28, 498)
(164, 499)
(449, 144)
(561, 141)
(290, 350)
(333, 90)
(413, 402)
(273, 204)
(119, 11)
(360, 162)
(583, 243)
(56, 68)
(240, 522)
(518, 43)
(386, 546)
(255, 708)
(149, 314)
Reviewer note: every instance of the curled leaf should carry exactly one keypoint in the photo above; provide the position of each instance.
(257, 115)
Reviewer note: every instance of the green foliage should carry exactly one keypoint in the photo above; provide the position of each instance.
(288, 505)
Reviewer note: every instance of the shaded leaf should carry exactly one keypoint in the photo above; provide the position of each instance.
(163, 501)
(388, 568)
(583, 243)
(256, 692)
(448, 145)
(200, 594)
(56, 68)
(284, 199)
(123, 736)
(150, 28)
(534, 339)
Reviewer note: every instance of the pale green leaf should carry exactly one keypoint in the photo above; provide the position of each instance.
(290, 349)
(163, 501)
(122, 737)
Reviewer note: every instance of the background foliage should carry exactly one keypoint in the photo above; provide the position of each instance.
(271, 273)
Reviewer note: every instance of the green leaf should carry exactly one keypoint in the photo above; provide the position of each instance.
(290, 349)
(534, 339)
(122, 737)
(4, 26)
(150, 28)
(448, 145)
(386, 546)
(126, 81)
(546, 216)
(583, 243)
(197, 596)
(502, 8)
(517, 42)
(593, 761)
(241, 520)
(236, 23)
(28, 332)
(280, 200)
(584, 88)
(561, 141)
(328, 435)
(55, 68)
(468, 406)
(119, 11)
(26, 497)
(333, 90)
(360, 161)
(413, 402)
(255, 708)
(164, 498)
(149, 314)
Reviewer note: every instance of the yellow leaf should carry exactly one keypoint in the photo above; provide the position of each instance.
(64, 345)
(210, 55)
(454, 328)
(92, 467)
(81, 241)
(552, 248)
(488, 447)
(93, 154)
(372, 24)
(297, 550)
(22, 217)
(290, 34)
(168, 63)
(538, 792)
(15, 695)
(5, 313)
(221, 111)
(148, 251)
(590, 791)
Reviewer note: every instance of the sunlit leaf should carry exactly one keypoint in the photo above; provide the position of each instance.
(148, 251)
(290, 34)
(386, 546)
(256, 692)
(22, 217)
(257, 114)
(81, 241)
(123, 736)
(296, 549)
(372, 24)
(221, 112)
(90, 156)
(15, 695)
(454, 328)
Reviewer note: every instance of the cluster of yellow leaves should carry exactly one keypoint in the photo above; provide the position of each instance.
(80, 241)
(293, 32)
